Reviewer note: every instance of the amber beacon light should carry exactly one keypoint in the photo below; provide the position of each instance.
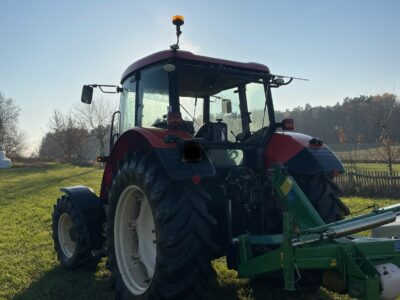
(178, 20)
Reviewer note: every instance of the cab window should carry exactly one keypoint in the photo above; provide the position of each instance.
(127, 104)
(153, 96)
(233, 120)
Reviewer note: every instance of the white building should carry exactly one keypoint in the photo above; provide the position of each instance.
(4, 161)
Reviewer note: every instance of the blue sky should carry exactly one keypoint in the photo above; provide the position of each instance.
(49, 49)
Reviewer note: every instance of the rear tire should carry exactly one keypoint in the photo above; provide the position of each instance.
(71, 237)
(324, 195)
(178, 264)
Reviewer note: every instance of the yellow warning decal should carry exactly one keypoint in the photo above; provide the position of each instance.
(286, 186)
(333, 262)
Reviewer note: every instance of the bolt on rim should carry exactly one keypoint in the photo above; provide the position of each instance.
(135, 240)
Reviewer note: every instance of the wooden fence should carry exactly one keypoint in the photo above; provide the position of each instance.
(370, 184)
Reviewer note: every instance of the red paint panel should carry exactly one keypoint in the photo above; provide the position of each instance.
(284, 145)
(132, 140)
(155, 136)
(166, 54)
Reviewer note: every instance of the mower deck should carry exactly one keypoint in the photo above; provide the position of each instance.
(352, 264)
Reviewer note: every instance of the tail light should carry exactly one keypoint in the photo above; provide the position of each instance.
(101, 159)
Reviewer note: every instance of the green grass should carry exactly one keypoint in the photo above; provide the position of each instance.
(28, 264)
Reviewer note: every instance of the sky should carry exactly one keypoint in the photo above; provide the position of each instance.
(49, 49)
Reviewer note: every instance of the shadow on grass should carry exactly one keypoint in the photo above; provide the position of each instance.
(30, 169)
(43, 182)
(59, 283)
(40, 184)
(263, 289)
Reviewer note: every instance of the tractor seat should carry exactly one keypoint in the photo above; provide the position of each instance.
(215, 132)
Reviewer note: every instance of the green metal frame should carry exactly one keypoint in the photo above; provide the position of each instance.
(306, 244)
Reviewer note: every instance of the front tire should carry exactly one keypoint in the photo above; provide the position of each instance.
(159, 233)
(71, 237)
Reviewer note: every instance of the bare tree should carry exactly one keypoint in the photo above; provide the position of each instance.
(381, 112)
(96, 119)
(67, 136)
(12, 140)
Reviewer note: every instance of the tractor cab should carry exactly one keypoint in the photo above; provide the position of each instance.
(218, 100)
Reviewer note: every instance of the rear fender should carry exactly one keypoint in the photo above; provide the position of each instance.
(165, 144)
(90, 209)
(298, 155)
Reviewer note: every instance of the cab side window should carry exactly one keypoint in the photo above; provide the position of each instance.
(128, 104)
(153, 96)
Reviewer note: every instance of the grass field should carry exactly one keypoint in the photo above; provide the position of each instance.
(28, 264)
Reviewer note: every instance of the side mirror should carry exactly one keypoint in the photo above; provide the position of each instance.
(87, 94)
(226, 106)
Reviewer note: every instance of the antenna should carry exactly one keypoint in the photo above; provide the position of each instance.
(178, 21)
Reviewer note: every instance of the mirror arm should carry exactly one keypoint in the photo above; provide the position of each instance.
(287, 82)
(118, 89)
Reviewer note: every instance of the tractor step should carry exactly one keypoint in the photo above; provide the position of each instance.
(99, 253)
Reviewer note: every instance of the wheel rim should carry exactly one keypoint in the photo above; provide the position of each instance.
(135, 240)
(65, 227)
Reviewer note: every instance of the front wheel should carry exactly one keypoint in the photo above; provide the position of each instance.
(159, 233)
(71, 237)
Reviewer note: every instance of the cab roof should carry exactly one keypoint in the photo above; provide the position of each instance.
(167, 54)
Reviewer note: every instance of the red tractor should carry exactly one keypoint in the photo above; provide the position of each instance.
(188, 172)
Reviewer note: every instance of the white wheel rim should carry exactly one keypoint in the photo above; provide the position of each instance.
(135, 240)
(65, 226)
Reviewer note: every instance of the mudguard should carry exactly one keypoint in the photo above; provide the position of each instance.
(90, 208)
(300, 154)
(165, 144)
(171, 159)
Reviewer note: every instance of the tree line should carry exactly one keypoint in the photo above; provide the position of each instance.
(83, 133)
(363, 119)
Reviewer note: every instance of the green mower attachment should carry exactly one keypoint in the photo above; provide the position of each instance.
(365, 268)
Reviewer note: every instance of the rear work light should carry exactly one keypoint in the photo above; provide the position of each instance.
(316, 143)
